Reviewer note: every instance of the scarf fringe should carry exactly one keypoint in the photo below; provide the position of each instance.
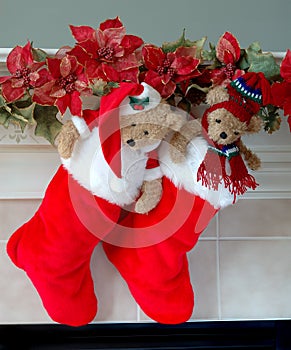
(208, 179)
(212, 173)
(239, 187)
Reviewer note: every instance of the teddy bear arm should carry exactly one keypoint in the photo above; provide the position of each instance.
(253, 161)
(181, 139)
(255, 124)
(151, 195)
(66, 139)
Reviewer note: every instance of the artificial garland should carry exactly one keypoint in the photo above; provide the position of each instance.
(138, 176)
(42, 87)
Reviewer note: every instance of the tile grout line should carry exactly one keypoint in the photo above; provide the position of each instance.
(137, 313)
(218, 285)
(250, 238)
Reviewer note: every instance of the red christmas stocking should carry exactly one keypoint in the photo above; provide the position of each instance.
(54, 248)
(154, 264)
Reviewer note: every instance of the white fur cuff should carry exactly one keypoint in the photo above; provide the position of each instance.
(81, 126)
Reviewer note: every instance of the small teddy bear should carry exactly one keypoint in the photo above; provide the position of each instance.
(141, 132)
(232, 114)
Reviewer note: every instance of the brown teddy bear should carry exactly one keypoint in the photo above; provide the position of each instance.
(141, 132)
(233, 112)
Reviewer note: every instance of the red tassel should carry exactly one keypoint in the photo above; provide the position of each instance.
(240, 179)
(212, 170)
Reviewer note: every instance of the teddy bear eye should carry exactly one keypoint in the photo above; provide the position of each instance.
(236, 133)
(133, 124)
(218, 121)
(146, 132)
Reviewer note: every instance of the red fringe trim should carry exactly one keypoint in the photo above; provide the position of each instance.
(212, 172)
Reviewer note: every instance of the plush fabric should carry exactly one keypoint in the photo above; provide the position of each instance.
(55, 246)
(158, 275)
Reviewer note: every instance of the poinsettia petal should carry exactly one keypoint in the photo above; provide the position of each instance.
(91, 68)
(36, 66)
(286, 66)
(63, 103)
(11, 93)
(15, 61)
(75, 104)
(91, 47)
(153, 56)
(111, 23)
(228, 42)
(154, 79)
(108, 73)
(54, 67)
(287, 107)
(80, 85)
(62, 51)
(127, 62)
(17, 83)
(80, 53)
(110, 37)
(129, 75)
(130, 43)
(228, 57)
(238, 73)
(27, 54)
(82, 33)
(5, 78)
(180, 78)
(186, 51)
(42, 95)
(278, 93)
(185, 65)
(33, 76)
(66, 66)
(44, 77)
(57, 91)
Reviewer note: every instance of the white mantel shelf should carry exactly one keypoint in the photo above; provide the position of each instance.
(29, 162)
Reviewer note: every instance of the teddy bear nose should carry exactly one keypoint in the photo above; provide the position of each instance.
(223, 135)
(130, 142)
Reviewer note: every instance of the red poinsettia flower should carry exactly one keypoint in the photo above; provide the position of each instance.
(165, 70)
(107, 52)
(25, 73)
(68, 82)
(281, 91)
(228, 53)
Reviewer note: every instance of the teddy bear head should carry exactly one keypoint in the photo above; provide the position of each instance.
(146, 129)
(225, 120)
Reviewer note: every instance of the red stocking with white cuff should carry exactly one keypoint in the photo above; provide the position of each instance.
(54, 248)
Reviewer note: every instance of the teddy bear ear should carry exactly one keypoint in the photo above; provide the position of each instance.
(216, 95)
(255, 124)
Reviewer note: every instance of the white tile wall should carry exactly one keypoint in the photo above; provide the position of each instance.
(240, 268)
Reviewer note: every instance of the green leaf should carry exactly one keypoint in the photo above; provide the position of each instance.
(39, 55)
(48, 126)
(12, 114)
(196, 86)
(182, 41)
(271, 117)
(4, 117)
(101, 87)
(2, 101)
(25, 115)
(211, 54)
(261, 62)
